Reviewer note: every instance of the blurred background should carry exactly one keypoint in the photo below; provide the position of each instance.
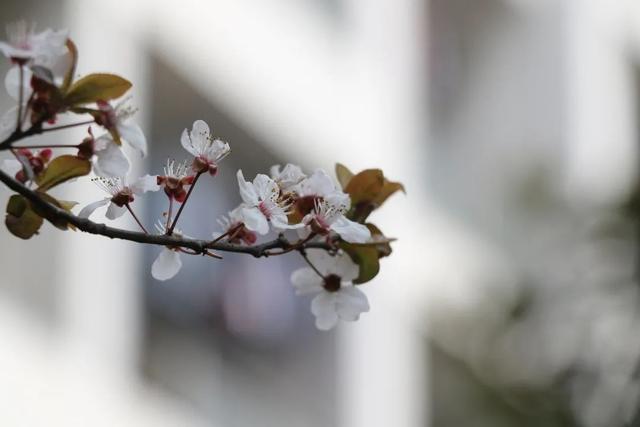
(511, 299)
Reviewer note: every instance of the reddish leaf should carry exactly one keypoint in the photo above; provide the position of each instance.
(344, 175)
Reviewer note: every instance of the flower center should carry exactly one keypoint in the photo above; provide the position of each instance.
(332, 283)
(319, 225)
(306, 204)
(123, 197)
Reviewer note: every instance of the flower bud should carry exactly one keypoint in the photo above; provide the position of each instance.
(86, 149)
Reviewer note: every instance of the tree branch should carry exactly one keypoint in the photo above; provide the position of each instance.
(56, 214)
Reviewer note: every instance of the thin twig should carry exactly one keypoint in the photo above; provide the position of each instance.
(166, 227)
(182, 205)
(27, 106)
(38, 147)
(313, 267)
(228, 233)
(136, 218)
(20, 97)
(67, 126)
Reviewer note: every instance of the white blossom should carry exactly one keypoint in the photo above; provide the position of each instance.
(118, 119)
(319, 184)
(110, 161)
(206, 150)
(234, 222)
(168, 262)
(121, 193)
(328, 215)
(262, 205)
(288, 177)
(336, 297)
(26, 45)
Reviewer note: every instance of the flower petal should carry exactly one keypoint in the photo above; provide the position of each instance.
(350, 302)
(326, 321)
(166, 265)
(219, 149)
(110, 161)
(12, 83)
(185, 141)
(200, 133)
(323, 308)
(91, 207)
(344, 267)
(318, 184)
(132, 133)
(247, 190)
(306, 281)
(324, 262)
(288, 177)
(114, 211)
(265, 187)
(323, 303)
(144, 184)
(280, 221)
(350, 231)
(255, 221)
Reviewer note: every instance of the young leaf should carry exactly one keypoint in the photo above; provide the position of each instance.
(381, 242)
(367, 259)
(21, 220)
(68, 77)
(62, 204)
(387, 190)
(344, 175)
(96, 87)
(365, 186)
(61, 169)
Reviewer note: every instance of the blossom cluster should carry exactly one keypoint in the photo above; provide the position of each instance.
(322, 219)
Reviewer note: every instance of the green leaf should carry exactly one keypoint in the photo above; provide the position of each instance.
(21, 220)
(96, 87)
(68, 77)
(367, 259)
(344, 175)
(61, 169)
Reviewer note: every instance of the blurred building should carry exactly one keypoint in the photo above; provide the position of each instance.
(511, 297)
